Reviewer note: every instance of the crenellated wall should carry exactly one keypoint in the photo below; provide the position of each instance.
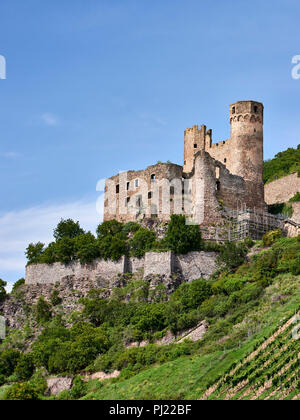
(191, 267)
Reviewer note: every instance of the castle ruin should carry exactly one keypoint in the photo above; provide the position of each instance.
(225, 175)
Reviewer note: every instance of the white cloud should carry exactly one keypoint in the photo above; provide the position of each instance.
(19, 228)
(50, 119)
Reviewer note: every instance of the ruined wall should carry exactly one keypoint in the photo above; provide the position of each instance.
(52, 273)
(213, 186)
(191, 266)
(282, 190)
(132, 195)
(194, 141)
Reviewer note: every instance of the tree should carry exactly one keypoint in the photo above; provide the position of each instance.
(67, 229)
(87, 248)
(109, 228)
(141, 242)
(65, 249)
(2, 290)
(181, 237)
(33, 252)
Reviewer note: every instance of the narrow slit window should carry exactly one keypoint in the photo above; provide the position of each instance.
(117, 189)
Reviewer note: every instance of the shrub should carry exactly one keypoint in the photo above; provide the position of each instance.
(18, 284)
(8, 361)
(21, 392)
(271, 237)
(232, 255)
(296, 198)
(191, 295)
(42, 311)
(181, 237)
(55, 299)
(25, 367)
(2, 290)
(67, 229)
(141, 242)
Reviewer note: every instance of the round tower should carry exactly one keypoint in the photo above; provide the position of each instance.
(246, 120)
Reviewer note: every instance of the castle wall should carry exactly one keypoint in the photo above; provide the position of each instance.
(52, 273)
(282, 190)
(131, 200)
(191, 266)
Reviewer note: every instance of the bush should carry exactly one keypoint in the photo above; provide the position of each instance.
(191, 295)
(55, 299)
(18, 284)
(21, 392)
(8, 361)
(2, 290)
(296, 198)
(181, 237)
(141, 242)
(42, 311)
(271, 237)
(25, 367)
(232, 255)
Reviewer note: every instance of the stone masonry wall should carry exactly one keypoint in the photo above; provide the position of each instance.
(191, 266)
(281, 190)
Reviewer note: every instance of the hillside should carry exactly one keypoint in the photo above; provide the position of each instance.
(133, 334)
(284, 163)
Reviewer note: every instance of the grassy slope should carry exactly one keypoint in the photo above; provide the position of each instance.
(189, 377)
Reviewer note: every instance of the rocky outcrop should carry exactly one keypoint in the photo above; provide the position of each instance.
(56, 385)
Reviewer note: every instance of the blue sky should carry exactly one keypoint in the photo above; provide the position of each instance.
(98, 86)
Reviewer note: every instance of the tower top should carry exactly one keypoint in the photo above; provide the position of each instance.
(246, 107)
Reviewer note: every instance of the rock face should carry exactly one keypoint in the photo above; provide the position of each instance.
(57, 385)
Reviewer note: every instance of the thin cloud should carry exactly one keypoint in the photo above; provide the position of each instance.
(19, 228)
(50, 119)
(10, 155)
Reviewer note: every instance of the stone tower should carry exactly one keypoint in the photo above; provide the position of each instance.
(246, 144)
(194, 140)
(246, 121)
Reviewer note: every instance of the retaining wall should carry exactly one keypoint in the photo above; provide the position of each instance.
(191, 266)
